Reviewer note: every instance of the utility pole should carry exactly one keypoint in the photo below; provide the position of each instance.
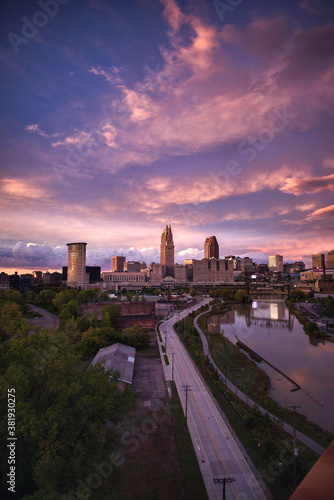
(295, 451)
(223, 480)
(186, 388)
(172, 353)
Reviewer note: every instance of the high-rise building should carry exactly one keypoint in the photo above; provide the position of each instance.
(330, 260)
(117, 263)
(167, 250)
(276, 263)
(211, 248)
(76, 269)
(318, 261)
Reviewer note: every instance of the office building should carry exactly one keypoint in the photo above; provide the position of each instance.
(318, 261)
(330, 260)
(276, 263)
(117, 263)
(247, 266)
(211, 248)
(133, 266)
(167, 251)
(212, 271)
(76, 268)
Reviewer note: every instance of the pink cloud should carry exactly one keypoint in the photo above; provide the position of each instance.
(311, 185)
(322, 213)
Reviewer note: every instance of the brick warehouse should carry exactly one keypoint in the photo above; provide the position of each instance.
(133, 313)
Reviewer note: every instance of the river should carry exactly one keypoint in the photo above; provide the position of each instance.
(267, 327)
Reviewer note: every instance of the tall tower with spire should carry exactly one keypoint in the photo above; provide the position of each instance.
(167, 250)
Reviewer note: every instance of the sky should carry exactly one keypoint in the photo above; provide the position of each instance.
(119, 117)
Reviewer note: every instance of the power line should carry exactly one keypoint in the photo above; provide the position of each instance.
(223, 481)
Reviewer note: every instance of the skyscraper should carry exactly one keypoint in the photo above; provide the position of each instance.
(318, 261)
(167, 250)
(276, 263)
(117, 263)
(330, 260)
(76, 269)
(211, 248)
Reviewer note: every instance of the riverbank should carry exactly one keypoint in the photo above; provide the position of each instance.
(264, 440)
(253, 381)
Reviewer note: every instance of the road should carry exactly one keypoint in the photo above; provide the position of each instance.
(217, 452)
(288, 428)
(48, 320)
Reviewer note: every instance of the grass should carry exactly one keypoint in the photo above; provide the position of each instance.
(264, 440)
(254, 382)
(193, 479)
(166, 359)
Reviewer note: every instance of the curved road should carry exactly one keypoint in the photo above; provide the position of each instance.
(288, 428)
(48, 320)
(217, 452)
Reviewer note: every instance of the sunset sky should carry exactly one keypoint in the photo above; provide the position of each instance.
(121, 116)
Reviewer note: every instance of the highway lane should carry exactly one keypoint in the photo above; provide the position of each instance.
(217, 452)
(288, 428)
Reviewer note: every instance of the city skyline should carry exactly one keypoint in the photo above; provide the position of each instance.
(120, 118)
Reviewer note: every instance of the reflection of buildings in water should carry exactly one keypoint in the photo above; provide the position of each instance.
(277, 310)
(216, 321)
(276, 317)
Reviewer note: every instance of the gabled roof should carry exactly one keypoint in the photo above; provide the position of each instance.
(119, 357)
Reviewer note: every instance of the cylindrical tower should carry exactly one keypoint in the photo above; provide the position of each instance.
(76, 270)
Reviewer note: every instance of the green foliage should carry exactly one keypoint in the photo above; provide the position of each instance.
(11, 321)
(63, 298)
(45, 299)
(128, 295)
(63, 317)
(111, 315)
(328, 304)
(242, 296)
(95, 338)
(224, 293)
(61, 412)
(298, 296)
(93, 321)
(11, 296)
(136, 336)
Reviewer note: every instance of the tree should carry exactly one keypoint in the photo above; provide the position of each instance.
(128, 296)
(11, 321)
(95, 338)
(136, 336)
(242, 296)
(111, 315)
(93, 321)
(61, 413)
(45, 299)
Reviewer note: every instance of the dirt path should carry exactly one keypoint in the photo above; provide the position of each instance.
(48, 320)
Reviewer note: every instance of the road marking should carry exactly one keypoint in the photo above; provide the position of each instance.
(205, 422)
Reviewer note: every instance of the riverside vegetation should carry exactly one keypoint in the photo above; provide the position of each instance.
(263, 438)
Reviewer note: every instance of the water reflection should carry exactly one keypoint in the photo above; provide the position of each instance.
(269, 329)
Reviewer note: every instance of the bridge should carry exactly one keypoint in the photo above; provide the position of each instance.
(253, 320)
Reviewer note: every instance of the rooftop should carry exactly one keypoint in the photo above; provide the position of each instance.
(118, 357)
